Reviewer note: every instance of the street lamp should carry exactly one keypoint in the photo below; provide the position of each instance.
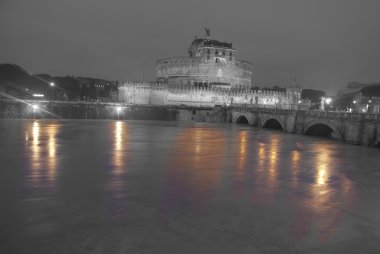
(118, 109)
(52, 85)
(35, 108)
(328, 101)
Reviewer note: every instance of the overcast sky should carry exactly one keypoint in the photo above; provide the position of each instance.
(323, 44)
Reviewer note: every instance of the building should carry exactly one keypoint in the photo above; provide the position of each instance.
(210, 75)
(210, 63)
(359, 98)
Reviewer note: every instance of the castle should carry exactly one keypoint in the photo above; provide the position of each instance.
(210, 63)
(210, 75)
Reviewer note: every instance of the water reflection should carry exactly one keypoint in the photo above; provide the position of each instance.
(242, 152)
(273, 162)
(246, 179)
(324, 208)
(195, 167)
(42, 152)
(118, 154)
(295, 166)
(261, 157)
(117, 202)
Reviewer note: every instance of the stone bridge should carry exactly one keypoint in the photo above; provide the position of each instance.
(353, 128)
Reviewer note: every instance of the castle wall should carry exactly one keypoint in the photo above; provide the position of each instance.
(186, 71)
(147, 94)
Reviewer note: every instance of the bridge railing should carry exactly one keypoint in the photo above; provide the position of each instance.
(310, 113)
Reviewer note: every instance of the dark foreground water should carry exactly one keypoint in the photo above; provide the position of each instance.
(169, 187)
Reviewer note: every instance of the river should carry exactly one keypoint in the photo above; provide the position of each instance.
(92, 186)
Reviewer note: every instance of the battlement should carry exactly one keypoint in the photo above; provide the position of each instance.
(158, 94)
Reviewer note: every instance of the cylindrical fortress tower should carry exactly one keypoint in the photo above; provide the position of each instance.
(210, 63)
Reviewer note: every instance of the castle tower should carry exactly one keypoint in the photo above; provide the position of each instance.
(210, 63)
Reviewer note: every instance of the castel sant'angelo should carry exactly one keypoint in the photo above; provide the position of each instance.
(210, 75)
(210, 63)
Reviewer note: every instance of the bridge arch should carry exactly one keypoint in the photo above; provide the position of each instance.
(242, 118)
(323, 129)
(273, 122)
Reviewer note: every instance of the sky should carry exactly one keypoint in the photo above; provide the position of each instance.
(318, 44)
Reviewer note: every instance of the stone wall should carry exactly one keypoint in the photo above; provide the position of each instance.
(187, 71)
(153, 94)
(82, 110)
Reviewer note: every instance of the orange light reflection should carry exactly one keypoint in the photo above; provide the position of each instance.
(43, 168)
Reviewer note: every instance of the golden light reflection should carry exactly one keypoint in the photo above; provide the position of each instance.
(261, 157)
(273, 161)
(52, 131)
(117, 180)
(326, 203)
(118, 154)
(43, 153)
(321, 190)
(242, 153)
(295, 164)
(195, 165)
(266, 176)
(36, 162)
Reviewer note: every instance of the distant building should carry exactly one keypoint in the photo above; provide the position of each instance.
(210, 63)
(359, 97)
(97, 89)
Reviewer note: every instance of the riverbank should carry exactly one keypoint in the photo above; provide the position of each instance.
(108, 110)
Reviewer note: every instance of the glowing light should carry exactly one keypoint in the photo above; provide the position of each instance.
(295, 163)
(299, 102)
(328, 100)
(38, 95)
(52, 131)
(118, 159)
(35, 107)
(52, 84)
(354, 102)
(35, 175)
(118, 135)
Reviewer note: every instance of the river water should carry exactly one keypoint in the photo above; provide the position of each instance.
(174, 187)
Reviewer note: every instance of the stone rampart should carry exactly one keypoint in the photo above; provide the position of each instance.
(149, 94)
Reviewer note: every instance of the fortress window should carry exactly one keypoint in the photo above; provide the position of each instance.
(216, 52)
(208, 51)
(216, 60)
(224, 53)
